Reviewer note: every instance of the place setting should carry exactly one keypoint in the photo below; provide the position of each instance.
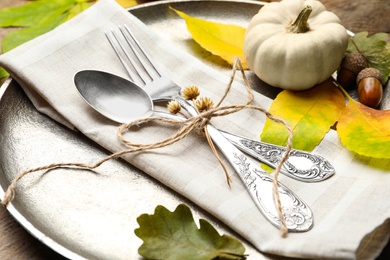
(117, 114)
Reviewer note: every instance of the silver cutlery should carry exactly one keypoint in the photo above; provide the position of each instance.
(124, 101)
(296, 213)
(301, 165)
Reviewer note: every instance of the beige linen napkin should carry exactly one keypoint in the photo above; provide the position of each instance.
(351, 209)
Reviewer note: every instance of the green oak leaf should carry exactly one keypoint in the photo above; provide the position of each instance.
(175, 235)
(375, 48)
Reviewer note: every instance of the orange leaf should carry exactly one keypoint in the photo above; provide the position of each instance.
(364, 130)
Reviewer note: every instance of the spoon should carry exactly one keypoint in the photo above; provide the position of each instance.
(123, 101)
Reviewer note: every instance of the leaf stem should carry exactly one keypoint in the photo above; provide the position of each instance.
(342, 89)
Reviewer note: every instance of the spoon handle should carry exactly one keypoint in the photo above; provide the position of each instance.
(296, 213)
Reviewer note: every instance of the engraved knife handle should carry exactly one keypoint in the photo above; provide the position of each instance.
(300, 165)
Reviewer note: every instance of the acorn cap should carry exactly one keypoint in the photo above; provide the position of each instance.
(354, 62)
(369, 72)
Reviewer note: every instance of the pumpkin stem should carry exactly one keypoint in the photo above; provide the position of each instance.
(300, 25)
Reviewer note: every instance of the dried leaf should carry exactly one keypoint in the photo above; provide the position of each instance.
(224, 40)
(364, 130)
(311, 114)
(174, 235)
(375, 48)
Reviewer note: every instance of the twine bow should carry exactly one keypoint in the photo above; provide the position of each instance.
(189, 125)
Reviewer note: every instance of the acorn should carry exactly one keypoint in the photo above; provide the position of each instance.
(370, 87)
(350, 67)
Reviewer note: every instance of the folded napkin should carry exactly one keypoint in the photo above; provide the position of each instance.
(351, 209)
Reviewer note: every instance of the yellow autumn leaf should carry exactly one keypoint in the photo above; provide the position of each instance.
(223, 40)
(364, 130)
(127, 3)
(311, 114)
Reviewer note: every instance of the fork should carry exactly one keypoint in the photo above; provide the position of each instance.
(296, 214)
(302, 166)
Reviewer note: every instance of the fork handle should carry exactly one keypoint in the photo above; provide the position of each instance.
(296, 213)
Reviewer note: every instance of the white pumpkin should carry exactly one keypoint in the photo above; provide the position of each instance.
(294, 44)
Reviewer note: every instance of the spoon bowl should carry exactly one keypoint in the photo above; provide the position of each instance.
(114, 97)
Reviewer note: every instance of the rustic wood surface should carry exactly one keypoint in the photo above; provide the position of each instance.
(356, 15)
(361, 15)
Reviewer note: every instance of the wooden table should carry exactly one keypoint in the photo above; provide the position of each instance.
(356, 15)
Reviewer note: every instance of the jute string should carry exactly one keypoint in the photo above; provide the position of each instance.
(186, 127)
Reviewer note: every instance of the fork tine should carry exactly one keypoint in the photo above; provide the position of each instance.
(110, 38)
(160, 86)
(143, 70)
(146, 62)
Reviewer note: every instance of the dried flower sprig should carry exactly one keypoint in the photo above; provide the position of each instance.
(204, 103)
(173, 107)
(190, 93)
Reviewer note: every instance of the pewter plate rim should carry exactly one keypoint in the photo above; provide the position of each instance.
(71, 253)
(14, 209)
